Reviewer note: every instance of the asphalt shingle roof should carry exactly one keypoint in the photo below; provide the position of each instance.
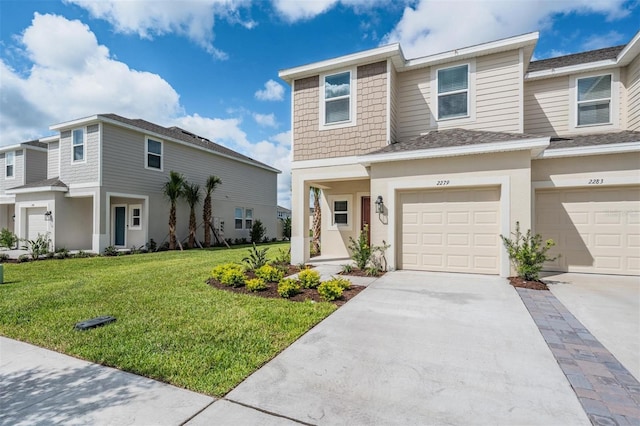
(593, 139)
(452, 138)
(576, 59)
(182, 135)
(55, 182)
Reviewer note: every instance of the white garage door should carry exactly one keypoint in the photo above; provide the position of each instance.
(453, 230)
(597, 230)
(36, 223)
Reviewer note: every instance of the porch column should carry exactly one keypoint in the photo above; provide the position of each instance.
(300, 239)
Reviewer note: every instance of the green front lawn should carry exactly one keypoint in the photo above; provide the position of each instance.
(170, 326)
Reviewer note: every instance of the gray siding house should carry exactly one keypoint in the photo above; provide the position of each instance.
(104, 178)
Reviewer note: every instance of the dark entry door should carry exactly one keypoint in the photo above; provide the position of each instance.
(120, 225)
(365, 208)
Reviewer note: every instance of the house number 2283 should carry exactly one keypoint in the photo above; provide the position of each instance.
(442, 182)
(596, 181)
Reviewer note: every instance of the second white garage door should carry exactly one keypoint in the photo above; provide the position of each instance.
(453, 230)
(596, 230)
(36, 223)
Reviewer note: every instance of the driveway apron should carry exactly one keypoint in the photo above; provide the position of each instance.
(418, 348)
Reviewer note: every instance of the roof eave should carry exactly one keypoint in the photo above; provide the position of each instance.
(37, 189)
(536, 146)
(581, 151)
(74, 123)
(572, 69)
(630, 51)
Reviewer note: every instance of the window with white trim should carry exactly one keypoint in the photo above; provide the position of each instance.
(593, 103)
(135, 217)
(243, 218)
(248, 218)
(77, 140)
(10, 161)
(341, 212)
(239, 216)
(453, 92)
(337, 99)
(153, 153)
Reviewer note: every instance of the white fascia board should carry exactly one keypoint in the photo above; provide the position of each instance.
(178, 141)
(630, 51)
(48, 139)
(579, 151)
(535, 145)
(36, 189)
(21, 146)
(474, 51)
(325, 162)
(572, 69)
(74, 123)
(379, 53)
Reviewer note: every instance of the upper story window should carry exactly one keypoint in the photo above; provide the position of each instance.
(594, 100)
(10, 161)
(153, 154)
(337, 100)
(453, 92)
(78, 145)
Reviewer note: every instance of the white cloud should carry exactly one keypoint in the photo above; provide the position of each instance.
(224, 131)
(147, 18)
(596, 41)
(266, 120)
(70, 69)
(283, 138)
(273, 91)
(431, 26)
(297, 10)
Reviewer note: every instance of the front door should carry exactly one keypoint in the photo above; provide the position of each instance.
(366, 216)
(119, 226)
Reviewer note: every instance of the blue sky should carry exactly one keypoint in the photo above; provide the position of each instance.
(211, 66)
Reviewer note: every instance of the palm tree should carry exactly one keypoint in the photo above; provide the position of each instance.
(192, 196)
(207, 211)
(317, 224)
(173, 190)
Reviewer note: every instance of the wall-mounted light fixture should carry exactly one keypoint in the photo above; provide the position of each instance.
(13, 217)
(47, 215)
(379, 204)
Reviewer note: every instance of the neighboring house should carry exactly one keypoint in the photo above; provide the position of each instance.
(99, 183)
(442, 154)
(283, 213)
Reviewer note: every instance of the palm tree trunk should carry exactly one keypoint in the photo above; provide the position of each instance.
(172, 227)
(206, 216)
(192, 227)
(317, 221)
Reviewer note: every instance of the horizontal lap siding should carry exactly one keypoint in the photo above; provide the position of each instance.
(36, 162)
(633, 95)
(53, 160)
(546, 106)
(18, 170)
(393, 103)
(414, 97)
(81, 172)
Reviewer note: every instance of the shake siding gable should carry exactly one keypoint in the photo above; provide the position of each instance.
(546, 106)
(633, 94)
(81, 172)
(36, 162)
(367, 135)
(53, 160)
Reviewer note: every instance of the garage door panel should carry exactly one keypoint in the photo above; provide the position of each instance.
(597, 230)
(458, 228)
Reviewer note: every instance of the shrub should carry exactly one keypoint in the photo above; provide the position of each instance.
(62, 253)
(288, 287)
(372, 271)
(330, 290)
(269, 273)
(309, 278)
(111, 251)
(256, 284)
(23, 258)
(286, 228)
(360, 249)
(8, 239)
(257, 258)
(4, 257)
(257, 231)
(81, 254)
(347, 269)
(151, 245)
(344, 283)
(230, 274)
(527, 253)
(39, 246)
(283, 256)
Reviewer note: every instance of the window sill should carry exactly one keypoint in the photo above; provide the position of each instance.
(340, 125)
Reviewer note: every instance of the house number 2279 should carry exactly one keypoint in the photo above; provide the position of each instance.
(442, 182)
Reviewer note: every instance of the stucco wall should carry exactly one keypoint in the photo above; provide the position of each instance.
(370, 131)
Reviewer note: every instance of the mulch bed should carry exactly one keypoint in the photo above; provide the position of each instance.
(532, 285)
(272, 292)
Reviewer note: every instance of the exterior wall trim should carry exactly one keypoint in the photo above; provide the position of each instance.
(145, 212)
(37, 189)
(410, 183)
(326, 162)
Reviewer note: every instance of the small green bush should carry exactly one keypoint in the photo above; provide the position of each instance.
(283, 256)
(81, 254)
(8, 239)
(111, 251)
(309, 278)
(4, 257)
(23, 258)
(231, 274)
(257, 231)
(347, 269)
(256, 284)
(527, 253)
(330, 290)
(288, 287)
(269, 273)
(62, 253)
(256, 258)
(344, 283)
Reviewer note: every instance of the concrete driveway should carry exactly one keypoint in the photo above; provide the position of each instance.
(609, 306)
(413, 348)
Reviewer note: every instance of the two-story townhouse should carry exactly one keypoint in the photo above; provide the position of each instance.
(104, 181)
(440, 155)
(20, 164)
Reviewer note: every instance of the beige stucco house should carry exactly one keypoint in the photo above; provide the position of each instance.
(460, 145)
(98, 183)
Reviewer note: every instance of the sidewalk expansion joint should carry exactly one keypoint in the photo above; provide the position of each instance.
(268, 412)
(609, 394)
